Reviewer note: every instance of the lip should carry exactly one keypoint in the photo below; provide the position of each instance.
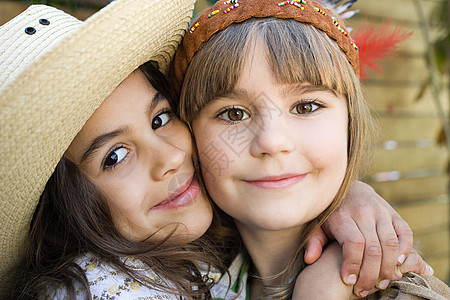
(183, 196)
(277, 182)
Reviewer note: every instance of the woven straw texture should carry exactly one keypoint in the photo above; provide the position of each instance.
(48, 103)
(19, 50)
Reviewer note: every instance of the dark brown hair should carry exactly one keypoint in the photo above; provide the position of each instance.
(73, 219)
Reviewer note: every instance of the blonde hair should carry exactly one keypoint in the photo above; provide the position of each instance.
(297, 52)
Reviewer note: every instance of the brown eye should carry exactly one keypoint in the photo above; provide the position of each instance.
(234, 114)
(304, 108)
(115, 157)
(160, 120)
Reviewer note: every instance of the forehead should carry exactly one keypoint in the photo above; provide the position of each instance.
(258, 73)
(130, 97)
(122, 108)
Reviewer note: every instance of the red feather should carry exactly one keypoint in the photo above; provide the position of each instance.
(376, 43)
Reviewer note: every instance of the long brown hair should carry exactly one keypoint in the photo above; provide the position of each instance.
(73, 219)
(297, 53)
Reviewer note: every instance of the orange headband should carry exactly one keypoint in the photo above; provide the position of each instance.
(224, 13)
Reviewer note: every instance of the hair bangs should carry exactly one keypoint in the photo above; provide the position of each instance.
(214, 70)
(299, 52)
(295, 52)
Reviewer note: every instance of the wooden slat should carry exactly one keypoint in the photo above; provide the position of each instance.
(430, 222)
(412, 189)
(407, 128)
(414, 45)
(394, 69)
(434, 248)
(407, 159)
(384, 98)
(435, 242)
(425, 216)
(441, 266)
(398, 9)
(402, 12)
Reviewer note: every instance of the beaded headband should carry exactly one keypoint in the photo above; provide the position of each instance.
(225, 13)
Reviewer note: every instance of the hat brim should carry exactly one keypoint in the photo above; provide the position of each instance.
(47, 105)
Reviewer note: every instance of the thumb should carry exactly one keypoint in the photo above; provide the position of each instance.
(314, 246)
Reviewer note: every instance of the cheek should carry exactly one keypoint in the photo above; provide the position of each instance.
(328, 145)
(215, 155)
(125, 195)
(180, 137)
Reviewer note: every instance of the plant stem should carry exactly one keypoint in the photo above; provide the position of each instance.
(431, 60)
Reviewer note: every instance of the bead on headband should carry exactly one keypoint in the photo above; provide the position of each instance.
(236, 11)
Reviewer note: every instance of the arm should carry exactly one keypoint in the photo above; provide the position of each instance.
(367, 227)
(321, 280)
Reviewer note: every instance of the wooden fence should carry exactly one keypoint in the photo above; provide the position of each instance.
(409, 168)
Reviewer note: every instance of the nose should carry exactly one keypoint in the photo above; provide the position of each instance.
(167, 159)
(272, 137)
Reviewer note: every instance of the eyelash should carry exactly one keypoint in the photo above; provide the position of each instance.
(228, 109)
(112, 167)
(162, 112)
(302, 102)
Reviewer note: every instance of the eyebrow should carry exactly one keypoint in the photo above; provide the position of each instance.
(297, 89)
(151, 106)
(293, 89)
(236, 94)
(100, 141)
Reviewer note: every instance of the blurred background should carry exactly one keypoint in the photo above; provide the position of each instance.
(410, 99)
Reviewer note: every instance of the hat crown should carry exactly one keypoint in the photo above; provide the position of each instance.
(26, 37)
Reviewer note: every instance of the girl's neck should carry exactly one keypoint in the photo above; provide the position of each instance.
(271, 251)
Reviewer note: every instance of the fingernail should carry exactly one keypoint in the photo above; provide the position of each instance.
(430, 269)
(398, 273)
(351, 279)
(363, 293)
(383, 284)
(401, 259)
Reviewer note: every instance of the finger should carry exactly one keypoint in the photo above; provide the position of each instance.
(415, 263)
(405, 237)
(314, 246)
(365, 293)
(370, 268)
(390, 250)
(347, 234)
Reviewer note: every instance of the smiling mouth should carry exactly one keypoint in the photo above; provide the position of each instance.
(182, 196)
(277, 182)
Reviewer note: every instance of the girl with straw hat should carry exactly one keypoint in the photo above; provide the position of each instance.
(121, 213)
(125, 177)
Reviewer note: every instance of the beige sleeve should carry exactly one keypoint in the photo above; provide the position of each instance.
(413, 286)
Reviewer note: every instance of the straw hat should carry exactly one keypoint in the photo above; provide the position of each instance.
(54, 72)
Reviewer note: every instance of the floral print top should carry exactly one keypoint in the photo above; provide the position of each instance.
(106, 282)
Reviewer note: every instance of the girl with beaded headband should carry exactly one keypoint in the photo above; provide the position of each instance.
(120, 214)
(272, 95)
